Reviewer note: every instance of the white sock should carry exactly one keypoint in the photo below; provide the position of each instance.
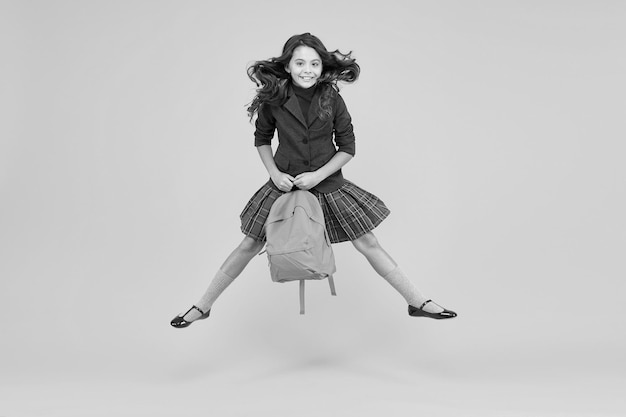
(220, 282)
(401, 283)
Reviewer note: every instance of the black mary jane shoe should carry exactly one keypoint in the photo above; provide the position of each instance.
(179, 321)
(419, 312)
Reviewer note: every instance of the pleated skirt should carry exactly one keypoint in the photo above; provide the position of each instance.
(349, 212)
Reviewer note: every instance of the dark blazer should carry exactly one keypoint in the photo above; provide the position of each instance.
(305, 147)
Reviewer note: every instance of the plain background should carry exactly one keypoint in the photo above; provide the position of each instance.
(494, 130)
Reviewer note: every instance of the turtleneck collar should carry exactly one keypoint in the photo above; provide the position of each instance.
(305, 97)
(306, 93)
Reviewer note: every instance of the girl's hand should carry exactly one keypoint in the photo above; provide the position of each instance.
(283, 181)
(307, 180)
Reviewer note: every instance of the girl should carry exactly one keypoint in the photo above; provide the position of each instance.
(298, 96)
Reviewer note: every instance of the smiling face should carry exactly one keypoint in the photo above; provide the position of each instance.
(305, 66)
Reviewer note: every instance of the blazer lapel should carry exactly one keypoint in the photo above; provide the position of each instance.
(292, 106)
(314, 109)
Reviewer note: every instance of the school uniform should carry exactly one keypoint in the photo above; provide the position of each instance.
(307, 142)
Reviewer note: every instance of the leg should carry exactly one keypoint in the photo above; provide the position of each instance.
(387, 268)
(230, 269)
(380, 260)
(241, 256)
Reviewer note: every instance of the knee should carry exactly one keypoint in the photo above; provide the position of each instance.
(250, 245)
(366, 243)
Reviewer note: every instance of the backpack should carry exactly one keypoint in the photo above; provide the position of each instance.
(298, 247)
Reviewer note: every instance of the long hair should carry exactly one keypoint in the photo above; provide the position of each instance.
(272, 79)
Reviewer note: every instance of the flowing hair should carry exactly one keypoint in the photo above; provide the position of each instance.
(271, 78)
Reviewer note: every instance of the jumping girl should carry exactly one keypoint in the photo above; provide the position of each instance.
(298, 96)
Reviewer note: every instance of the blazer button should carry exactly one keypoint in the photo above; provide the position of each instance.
(306, 163)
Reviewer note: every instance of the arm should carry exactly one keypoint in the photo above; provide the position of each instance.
(265, 127)
(308, 180)
(283, 181)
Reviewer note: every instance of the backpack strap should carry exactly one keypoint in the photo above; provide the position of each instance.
(331, 282)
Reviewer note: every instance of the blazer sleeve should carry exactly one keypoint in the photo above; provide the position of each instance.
(264, 127)
(344, 132)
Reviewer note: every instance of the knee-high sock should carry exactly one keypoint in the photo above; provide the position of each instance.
(220, 282)
(217, 286)
(398, 280)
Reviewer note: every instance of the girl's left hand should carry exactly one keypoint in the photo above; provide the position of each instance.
(307, 180)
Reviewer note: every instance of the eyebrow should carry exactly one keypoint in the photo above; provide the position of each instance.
(313, 60)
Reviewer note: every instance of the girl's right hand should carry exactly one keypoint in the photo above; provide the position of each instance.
(284, 182)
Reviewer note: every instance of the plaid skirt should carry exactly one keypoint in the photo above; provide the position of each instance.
(349, 212)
